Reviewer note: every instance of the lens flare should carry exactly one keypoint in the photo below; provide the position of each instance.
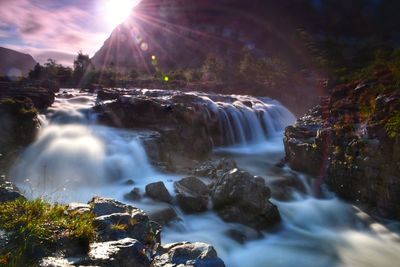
(117, 11)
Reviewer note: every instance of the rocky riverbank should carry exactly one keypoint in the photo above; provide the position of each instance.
(351, 142)
(19, 109)
(114, 234)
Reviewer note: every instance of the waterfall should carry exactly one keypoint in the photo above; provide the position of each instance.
(72, 152)
(246, 120)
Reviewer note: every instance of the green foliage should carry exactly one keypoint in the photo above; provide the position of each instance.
(392, 126)
(36, 226)
(269, 71)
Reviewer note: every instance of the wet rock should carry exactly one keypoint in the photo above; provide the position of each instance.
(163, 215)
(126, 252)
(79, 207)
(242, 198)
(55, 262)
(243, 234)
(9, 192)
(188, 254)
(134, 194)
(158, 191)
(192, 194)
(214, 168)
(105, 206)
(116, 220)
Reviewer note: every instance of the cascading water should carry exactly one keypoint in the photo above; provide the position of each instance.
(247, 120)
(74, 154)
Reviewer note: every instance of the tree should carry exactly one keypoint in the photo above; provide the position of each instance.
(82, 66)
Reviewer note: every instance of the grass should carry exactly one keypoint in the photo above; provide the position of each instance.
(392, 126)
(35, 226)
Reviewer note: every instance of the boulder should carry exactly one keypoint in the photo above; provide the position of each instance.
(192, 194)
(105, 206)
(126, 252)
(134, 194)
(158, 191)
(163, 215)
(242, 198)
(8, 191)
(188, 254)
(116, 220)
(214, 168)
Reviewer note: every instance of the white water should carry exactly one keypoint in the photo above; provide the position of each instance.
(74, 159)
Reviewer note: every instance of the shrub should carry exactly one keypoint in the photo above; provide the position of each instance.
(35, 226)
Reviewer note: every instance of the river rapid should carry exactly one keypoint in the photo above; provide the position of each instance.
(74, 158)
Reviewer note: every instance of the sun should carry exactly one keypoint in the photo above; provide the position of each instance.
(117, 11)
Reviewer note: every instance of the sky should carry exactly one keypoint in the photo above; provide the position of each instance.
(59, 29)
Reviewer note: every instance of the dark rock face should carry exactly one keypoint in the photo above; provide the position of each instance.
(158, 191)
(188, 254)
(183, 132)
(345, 142)
(240, 197)
(13, 60)
(192, 194)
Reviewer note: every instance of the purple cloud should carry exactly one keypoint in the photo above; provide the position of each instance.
(45, 29)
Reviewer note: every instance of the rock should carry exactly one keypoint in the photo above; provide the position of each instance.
(105, 206)
(214, 168)
(188, 254)
(134, 194)
(243, 234)
(346, 144)
(158, 191)
(116, 220)
(78, 207)
(239, 197)
(114, 226)
(55, 262)
(163, 215)
(126, 252)
(9, 192)
(192, 194)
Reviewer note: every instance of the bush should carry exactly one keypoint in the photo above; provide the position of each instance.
(35, 227)
(392, 126)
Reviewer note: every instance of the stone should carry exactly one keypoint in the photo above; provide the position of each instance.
(192, 194)
(134, 194)
(163, 215)
(126, 252)
(242, 198)
(117, 220)
(8, 193)
(188, 254)
(158, 191)
(105, 206)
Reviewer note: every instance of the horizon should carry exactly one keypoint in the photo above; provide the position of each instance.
(60, 30)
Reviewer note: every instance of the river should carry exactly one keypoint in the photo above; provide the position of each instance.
(75, 158)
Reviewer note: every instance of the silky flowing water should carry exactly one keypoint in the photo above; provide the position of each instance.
(74, 159)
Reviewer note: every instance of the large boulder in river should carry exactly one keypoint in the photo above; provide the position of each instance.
(192, 194)
(242, 198)
(188, 254)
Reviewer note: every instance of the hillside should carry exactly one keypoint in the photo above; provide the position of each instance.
(14, 63)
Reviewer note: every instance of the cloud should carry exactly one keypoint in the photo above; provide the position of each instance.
(59, 30)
